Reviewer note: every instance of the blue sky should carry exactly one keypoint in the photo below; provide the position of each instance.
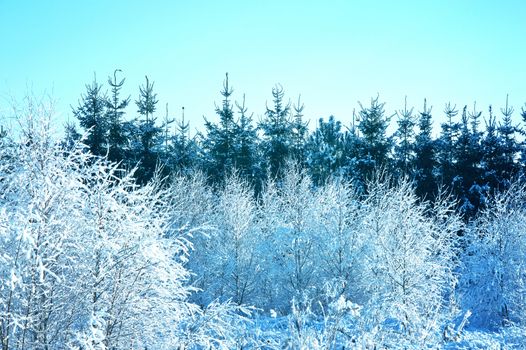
(333, 53)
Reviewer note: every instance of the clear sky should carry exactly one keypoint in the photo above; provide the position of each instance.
(333, 53)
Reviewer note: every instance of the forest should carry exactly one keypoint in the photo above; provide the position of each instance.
(129, 232)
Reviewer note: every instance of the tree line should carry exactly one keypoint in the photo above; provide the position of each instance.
(92, 258)
(472, 156)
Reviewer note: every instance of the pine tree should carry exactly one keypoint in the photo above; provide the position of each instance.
(352, 153)
(491, 153)
(146, 133)
(467, 160)
(500, 150)
(375, 144)
(277, 134)
(115, 110)
(147, 100)
(219, 143)
(182, 150)
(446, 147)
(246, 157)
(478, 190)
(508, 167)
(326, 151)
(424, 162)
(71, 136)
(91, 113)
(404, 150)
(299, 133)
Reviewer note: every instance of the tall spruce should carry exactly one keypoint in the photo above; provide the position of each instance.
(147, 134)
(299, 133)
(467, 164)
(91, 113)
(375, 144)
(115, 110)
(219, 143)
(491, 145)
(446, 147)
(326, 151)
(404, 149)
(508, 167)
(277, 134)
(182, 150)
(245, 137)
(424, 162)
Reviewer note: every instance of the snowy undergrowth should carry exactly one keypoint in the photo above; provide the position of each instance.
(91, 260)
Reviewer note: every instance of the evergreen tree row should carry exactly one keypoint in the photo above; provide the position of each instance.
(472, 156)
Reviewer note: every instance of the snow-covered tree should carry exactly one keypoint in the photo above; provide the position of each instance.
(375, 145)
(326, 151)
(234, 253)
(89, 259)
(91, 113)
(296, 234)
(342, 244)
(404, 149)
(278, 134)
(494, 263)
(115, 110)
(409, 264)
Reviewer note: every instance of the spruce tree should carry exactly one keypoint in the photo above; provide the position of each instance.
(326, 151)
(245, 138)
(91, 113)
(219, 144)
(446, 147)
(375, 144)
(404, 149)
(299, 133)
(182, 150)
(115, 110)
(71, 136)
(352, 153)
(467, 164)
(424, 162)
(146, 133)
(507, 168)
(491, 147)
(277, 134)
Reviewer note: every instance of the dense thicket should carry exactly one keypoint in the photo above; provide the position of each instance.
(93, 259)
(134, 236)
(466, 158)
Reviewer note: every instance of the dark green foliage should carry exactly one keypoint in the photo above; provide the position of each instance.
(182, 150)
(277, 134)
(375, 145)
(115, 110)
(219, 144)
(425, 150)
(446, 147)
(299, 134)
(91, 113)
(145, 136)
(246, 152)
(404, 148)
(326, 149)
(147, 101)
(509, 148)
(468, 158)
(71, 137)
(491, 152)
(464, 160)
